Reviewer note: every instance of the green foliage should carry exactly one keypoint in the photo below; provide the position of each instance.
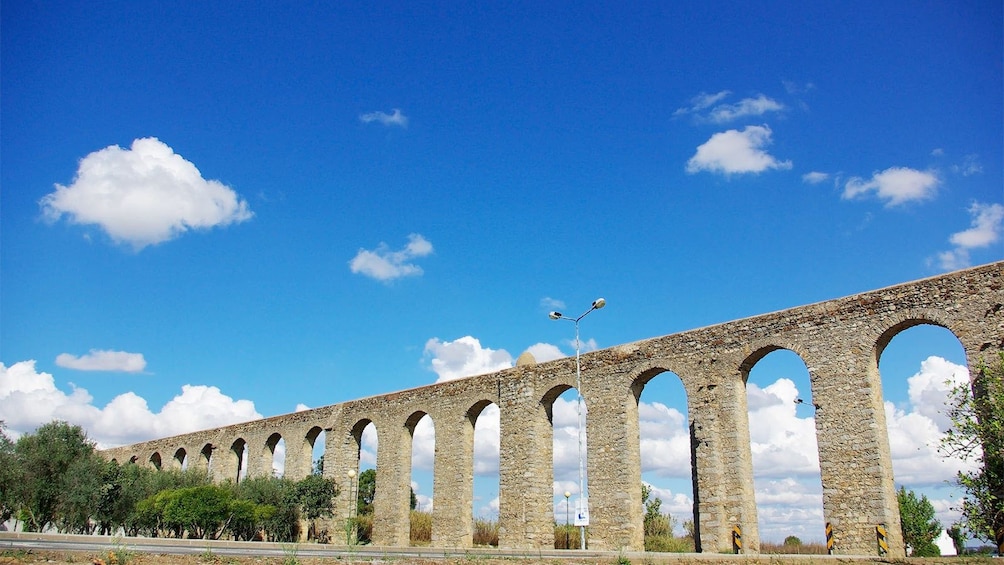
(9, 475)
(792, 541)
(977, 433)
(315, 495)
(659, 527)
(44, 487)
(366, 490)
(958, 536)
(201, 510)
(917, 520)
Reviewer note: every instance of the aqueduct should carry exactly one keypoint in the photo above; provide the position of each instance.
(839, 340)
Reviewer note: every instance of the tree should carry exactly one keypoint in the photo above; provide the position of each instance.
(366, 489)
(917, 521)
(43, 458)
(9, 471)
(977, 433)
(958, 538)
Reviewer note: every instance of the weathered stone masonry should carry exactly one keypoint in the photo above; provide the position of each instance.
(840, 342)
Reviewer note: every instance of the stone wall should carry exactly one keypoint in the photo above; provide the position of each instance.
(840, 342)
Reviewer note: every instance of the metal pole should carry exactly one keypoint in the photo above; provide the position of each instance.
(578, 389)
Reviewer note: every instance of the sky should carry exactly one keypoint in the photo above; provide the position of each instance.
(215, 212)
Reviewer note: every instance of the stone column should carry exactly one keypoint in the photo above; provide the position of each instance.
(614, 466)
(737, 464)
(526, 476)
(391, 502)
(854, 459)
(714, 519)
(299, 454)
(341, 454)
(453, 481)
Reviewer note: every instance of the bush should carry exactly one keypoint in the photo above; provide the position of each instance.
(669, 544)
(792, 540)
(486, 532)
(421, 528)
(566, 537)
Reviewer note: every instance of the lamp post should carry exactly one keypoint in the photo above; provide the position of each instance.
(350, 523)
(582, 507)
(567, 545)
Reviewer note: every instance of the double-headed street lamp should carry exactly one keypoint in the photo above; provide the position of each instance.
(582, 507)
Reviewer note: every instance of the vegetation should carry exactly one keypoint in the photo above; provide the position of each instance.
(54, 478)
(977, 415)
(920, 529)
(659, 527)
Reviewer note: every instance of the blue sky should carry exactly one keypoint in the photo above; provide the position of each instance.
(212, 212)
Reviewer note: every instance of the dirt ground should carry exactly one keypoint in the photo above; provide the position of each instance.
(19, 557)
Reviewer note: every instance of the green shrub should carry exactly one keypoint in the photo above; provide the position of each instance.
(792, 540)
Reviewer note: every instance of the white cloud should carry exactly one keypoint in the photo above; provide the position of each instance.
(723, 113)
(544, 352)
(29, 399)
(746, 107)
(986, 226)
(394, 119)
(895, 185)
(782, 444)
(735, 151)
(103, 360)
(384, 265)
(986, 223)
(815, 177)
(970, 166)
(915, 431)
(144, 195)
(702, 101)
(464, 357)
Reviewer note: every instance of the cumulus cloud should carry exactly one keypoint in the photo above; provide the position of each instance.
(464, 357)
(394, 119)
(736, 152)
(815, 177)
(143, 195)
(895, 185)
(782, 444)
(29, 398)
(970, 166)
(383, 264)
(985, 230)
(103, 360)
(544, 352)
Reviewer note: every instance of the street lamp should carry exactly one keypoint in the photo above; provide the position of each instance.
(567, 545)
(350, 523)
(582, 507)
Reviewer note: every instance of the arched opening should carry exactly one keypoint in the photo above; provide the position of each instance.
(275, 447)
(423, 459)
(134, 459)
(786, 474)
(155, 460)
(919, 363)
(239, 457)
(314, 448)
(485, 504)
(569, 455)
(667, 468)
(181, 459)
(207, 458)
(362, 480)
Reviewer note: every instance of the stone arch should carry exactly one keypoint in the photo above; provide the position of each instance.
(269, 456)
(792, 410)
(306, 459)
(155, 460)
(180, 459)
(206, 458)
(237, 456)
(418, 424)
(133, 459)
(644, 375)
